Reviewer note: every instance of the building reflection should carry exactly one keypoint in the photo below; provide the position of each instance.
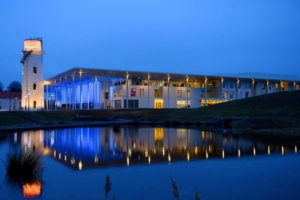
(87, 147)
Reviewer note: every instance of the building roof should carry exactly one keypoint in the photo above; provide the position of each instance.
(89, 73)
(8, 95)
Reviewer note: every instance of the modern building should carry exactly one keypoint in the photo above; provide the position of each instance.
(83, 88)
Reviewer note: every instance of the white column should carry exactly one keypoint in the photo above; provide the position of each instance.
(187, 90)
(95, 92)
(88, 97)
(127, 106)
(148, 84)
(205, 91)
(104, 106)
(80, 90)
(221, 88)
(73, 92)
(47, 102)
(168, 91)
(252, 88)
(67, 96)
(237, 89)
(55, 89)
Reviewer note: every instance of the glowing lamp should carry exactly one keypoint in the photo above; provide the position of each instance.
(32, 190)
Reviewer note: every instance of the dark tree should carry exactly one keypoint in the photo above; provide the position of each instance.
(197, 197)
(1, 86)
(14, 86)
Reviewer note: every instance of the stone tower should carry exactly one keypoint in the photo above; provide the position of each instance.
(32, 75)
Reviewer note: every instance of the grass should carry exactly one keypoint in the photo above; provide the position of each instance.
(254, 107)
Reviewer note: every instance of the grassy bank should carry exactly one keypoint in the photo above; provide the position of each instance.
(277, 110)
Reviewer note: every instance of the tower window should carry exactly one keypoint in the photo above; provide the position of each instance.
(34, 86)
(34, 69)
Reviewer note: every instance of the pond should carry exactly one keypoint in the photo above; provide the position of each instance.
(141, 161)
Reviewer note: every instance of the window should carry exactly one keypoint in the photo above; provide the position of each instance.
(179, 93)
(34, 86)
(224, 95)
(35, 70)
(157, 93)
(240, 84)
(182, 104)
(133, 92)
(224, 84)
(34, 104)
(106, 95)
(270, 86)
(231, 94)
(276, 86)
(262, 86)
(115, 93)
(231, 84)
(141, 92)
(189, 94)
(297, 87)
(121, 93)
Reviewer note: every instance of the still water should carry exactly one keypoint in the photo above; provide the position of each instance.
(141, 162)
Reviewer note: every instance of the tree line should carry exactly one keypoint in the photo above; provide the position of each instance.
(14, 86)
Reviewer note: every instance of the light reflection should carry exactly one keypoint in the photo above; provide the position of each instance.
(254, 151)
(54, 154)
(15, 137)
(96, 159)
(80, 165)
(282, 149)
(188, 156)
(196, 150)
(209, 148)
(239, 152)
(59, 156)
(206, 154)
(127, 160)
(129, 152)
(73, 161)
(146, 153)
(65, 157)
(223, 153)
(163, 151)
(269, 150)
(169, 157)
(149, 160)
(295, 149)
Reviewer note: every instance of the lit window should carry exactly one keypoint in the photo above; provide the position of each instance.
(35, 70)
(34, 86)
(231, 94)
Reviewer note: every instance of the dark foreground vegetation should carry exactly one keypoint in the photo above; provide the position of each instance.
(280, 111)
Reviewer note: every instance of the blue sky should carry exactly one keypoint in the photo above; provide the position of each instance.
(193, 36)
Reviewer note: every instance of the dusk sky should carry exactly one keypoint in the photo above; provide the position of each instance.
(190, 37)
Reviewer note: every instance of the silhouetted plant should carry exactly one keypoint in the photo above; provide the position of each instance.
(175, 188)
(197, 197)
(107, 185)
(23, 169)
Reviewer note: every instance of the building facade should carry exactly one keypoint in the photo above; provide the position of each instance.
(82, 88)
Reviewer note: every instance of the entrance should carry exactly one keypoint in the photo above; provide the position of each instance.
(158, 103)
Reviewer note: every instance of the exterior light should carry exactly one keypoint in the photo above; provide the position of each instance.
(188, 156)
(169, 157)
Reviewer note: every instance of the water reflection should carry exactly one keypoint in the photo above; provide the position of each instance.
(24, 164)
(87, 147)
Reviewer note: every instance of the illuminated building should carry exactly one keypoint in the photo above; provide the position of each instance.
(81, 88)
